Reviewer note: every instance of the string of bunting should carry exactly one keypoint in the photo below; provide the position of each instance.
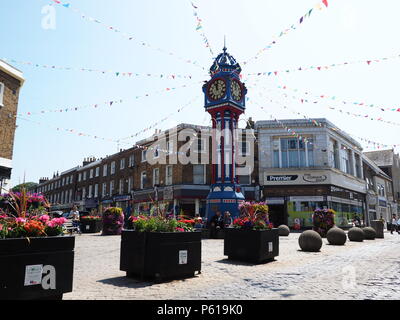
(199, 27)
(109, 103)
(319, 6)
(365, 116)
(115, 73)
(155, 124)
(335, 98)
(316, 123)
(324, 67)
(368, 141)
(82, 134)
(124, 34)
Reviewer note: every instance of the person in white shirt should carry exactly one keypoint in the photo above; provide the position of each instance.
(393, 226)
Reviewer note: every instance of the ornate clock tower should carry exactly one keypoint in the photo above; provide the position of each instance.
(225, 102)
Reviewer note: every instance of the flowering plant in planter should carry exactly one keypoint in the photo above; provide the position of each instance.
(159, 223)
(113, 221)
(254, 216)
(323, 220)
(22, 219)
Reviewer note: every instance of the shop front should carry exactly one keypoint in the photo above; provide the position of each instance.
(294, 204)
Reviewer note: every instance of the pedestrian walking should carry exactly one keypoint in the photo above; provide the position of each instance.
(393, 225)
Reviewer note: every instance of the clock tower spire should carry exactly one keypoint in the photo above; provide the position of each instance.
(225, 101)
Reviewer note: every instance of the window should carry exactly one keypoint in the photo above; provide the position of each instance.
(358, 166)
(293, 153)
(84, 175)
(199, 176)
(111, 187)
(96, 190)
(130, 184)
(63, 181)
(104, 190)
(83, 193)
(90, 191)
(143, 179)
(1, 94)
(122, 164)
(144, 154)
(71, 178)
(97, 171)
(168, 175)
(105, 170)
(131, 160)
(156, 176)
(79, 177)
(113, 167)
(91, 174)
(121, 186)
(345, 160)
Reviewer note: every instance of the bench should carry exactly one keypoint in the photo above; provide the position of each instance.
(69, 227)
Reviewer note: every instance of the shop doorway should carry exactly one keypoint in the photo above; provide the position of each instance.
(277, 214)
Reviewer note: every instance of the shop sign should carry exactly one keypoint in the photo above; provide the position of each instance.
(122, 198)
(282, 178)
(310, 178)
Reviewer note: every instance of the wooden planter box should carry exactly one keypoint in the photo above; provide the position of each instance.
(160, 255)
(35, 269)
(255, 246)
(91, 226)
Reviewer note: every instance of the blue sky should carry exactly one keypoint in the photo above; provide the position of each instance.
(348, 30)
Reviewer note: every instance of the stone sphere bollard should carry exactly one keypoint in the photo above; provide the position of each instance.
(356, 234)
(336, 236)
(369, 233)
(283, 230)
(310, 241)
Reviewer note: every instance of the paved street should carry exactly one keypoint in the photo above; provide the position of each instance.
(294, 274)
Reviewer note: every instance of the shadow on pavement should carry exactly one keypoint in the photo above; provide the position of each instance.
(126, 282)
(241, 263)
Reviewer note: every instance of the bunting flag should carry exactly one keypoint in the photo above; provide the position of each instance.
(124, 34)
(294, 26)
(318, 124)
(364, 116)
(118, 142)
(102, 71)
(200, 27)
(155, 124)
(336, 99)
(322, 67)
(109, 103)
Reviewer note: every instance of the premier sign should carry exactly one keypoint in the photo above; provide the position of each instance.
(282, 178)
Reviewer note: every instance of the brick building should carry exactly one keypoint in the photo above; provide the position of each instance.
(11, 80)
(172, 167)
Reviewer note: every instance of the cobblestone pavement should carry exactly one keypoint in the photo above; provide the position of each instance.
(366, 270)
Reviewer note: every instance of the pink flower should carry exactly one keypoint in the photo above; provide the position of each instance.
(44, 218)
(20, 220)
(56, 222)
(180, 229)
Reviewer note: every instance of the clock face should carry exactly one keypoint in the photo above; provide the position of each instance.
(217, 89)
(236, 90)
